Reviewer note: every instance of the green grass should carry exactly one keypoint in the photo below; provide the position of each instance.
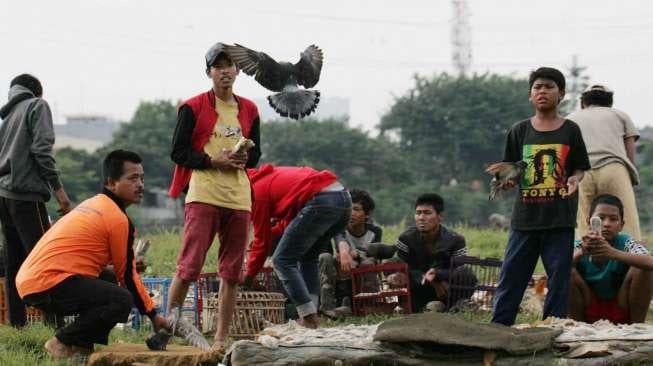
(162, 255)
(166, 244)
(25, 347)
(483, 242)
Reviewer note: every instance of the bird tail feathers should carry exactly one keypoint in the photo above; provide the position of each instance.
(295, 104)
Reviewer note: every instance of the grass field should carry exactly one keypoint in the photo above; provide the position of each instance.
(25, 347)
(162, 256)
(481, 242)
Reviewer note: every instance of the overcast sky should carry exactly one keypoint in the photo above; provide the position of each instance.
(103, 57)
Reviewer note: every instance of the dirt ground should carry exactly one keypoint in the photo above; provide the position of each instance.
(128, 354)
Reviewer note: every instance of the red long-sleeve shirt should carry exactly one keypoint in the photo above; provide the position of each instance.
(279, 193)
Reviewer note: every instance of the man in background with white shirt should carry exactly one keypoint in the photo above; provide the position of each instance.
(610, 137)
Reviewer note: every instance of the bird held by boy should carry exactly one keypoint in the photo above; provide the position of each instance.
(503, 173)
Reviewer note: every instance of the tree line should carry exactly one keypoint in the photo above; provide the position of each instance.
(437, 137)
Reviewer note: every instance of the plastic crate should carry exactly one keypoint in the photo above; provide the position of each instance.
(477, 291)
(159, 289)
(381, 299)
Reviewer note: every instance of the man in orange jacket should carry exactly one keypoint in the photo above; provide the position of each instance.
(60, 275)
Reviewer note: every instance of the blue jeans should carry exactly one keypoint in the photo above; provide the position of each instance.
(295, 259)
(555, 246)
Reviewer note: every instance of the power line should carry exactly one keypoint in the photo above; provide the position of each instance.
(334, 18)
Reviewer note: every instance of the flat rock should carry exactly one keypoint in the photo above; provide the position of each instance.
(436, 340)
(448, 330)
(246, 353)
(127, 354)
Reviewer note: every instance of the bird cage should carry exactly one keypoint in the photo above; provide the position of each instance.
(208, 286)
(33, 314)
(267, 279)
(253, 312)
(473, 283)
(371, 294)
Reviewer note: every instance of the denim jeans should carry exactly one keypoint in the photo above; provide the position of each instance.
(555, 246)
(295, 259)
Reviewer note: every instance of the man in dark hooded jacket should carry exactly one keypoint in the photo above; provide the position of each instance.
(28, 176)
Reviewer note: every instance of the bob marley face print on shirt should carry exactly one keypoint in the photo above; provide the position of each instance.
(544, 178)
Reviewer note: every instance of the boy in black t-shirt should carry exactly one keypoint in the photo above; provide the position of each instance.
(544, 214)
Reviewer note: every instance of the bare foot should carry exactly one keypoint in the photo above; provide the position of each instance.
(218, 346)
(58, 350)
(310, 321)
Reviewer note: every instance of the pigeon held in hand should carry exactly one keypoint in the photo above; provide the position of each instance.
(283, 78)
(504, 172)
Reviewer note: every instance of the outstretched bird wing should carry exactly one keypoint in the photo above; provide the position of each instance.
(503, 172)
(265, 69)
(309, 66)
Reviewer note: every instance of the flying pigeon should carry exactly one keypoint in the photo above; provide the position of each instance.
(283, 78)
(504, 172)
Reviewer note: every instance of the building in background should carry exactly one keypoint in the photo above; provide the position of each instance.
(85, 132)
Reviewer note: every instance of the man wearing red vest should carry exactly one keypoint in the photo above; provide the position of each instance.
(310, 207)
(218, 193)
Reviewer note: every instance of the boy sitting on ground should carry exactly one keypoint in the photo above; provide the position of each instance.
(352, 252)
(612, 275)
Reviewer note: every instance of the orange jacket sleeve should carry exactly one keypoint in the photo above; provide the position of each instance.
(121, 239)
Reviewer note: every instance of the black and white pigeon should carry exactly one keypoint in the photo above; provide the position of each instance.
(283, 78)
(502, 173)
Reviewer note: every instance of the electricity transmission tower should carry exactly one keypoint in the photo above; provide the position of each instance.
(461, 37)
(577, 82)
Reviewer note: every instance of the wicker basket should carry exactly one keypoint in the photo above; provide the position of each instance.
(254, 311)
